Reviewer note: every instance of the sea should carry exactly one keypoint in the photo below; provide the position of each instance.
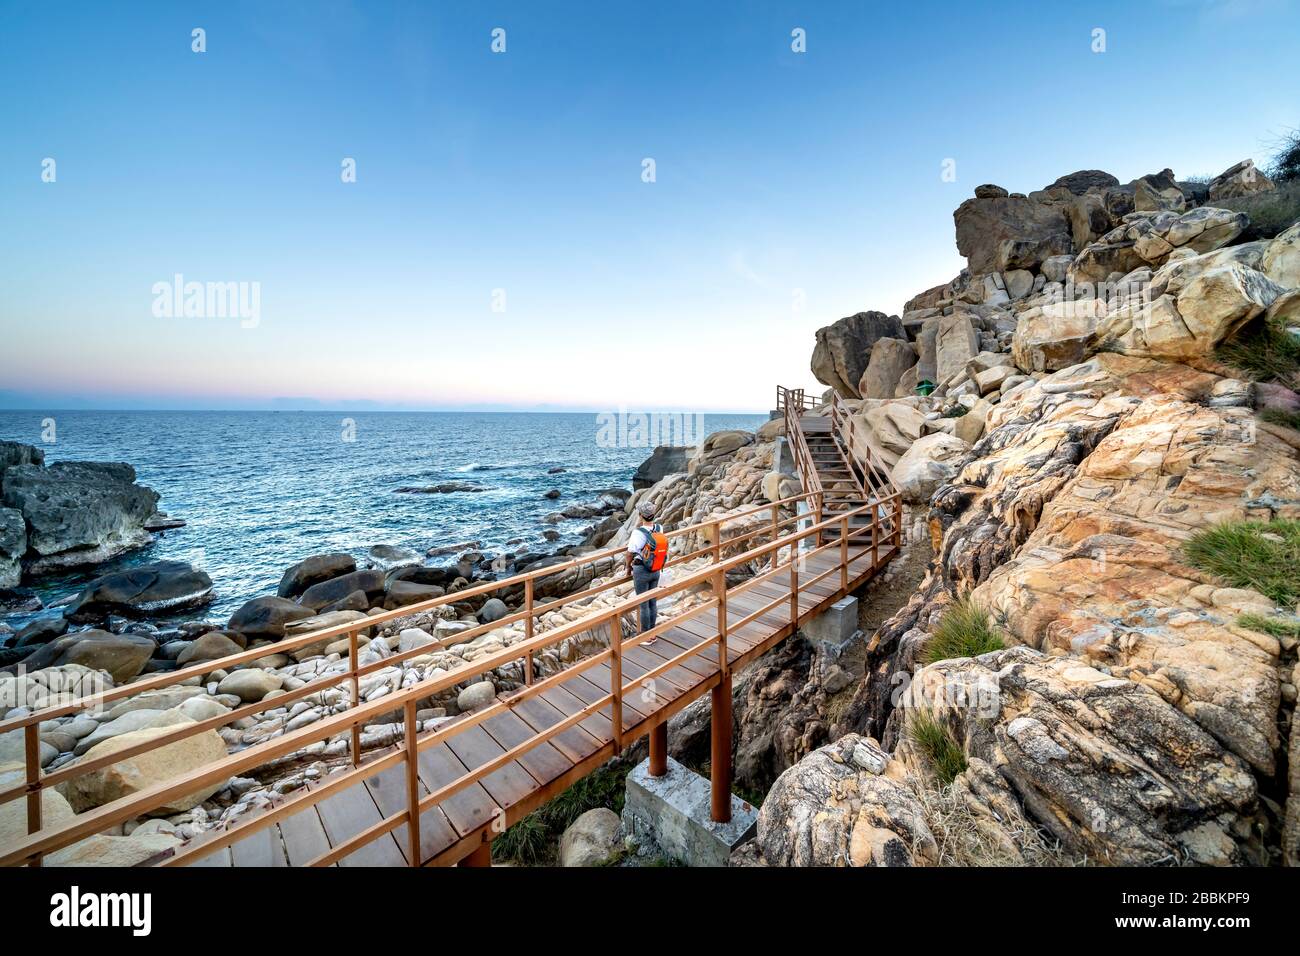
(260, 491)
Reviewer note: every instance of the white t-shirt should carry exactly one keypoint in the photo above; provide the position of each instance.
(638, 539)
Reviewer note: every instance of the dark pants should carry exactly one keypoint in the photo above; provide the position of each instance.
(644, 580)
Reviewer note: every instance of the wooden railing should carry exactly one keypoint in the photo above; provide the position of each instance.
(42, 841)
(792, 403)
(871, 478)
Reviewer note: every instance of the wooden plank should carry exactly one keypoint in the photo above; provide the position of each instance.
(304, 837)
(598, 725)
(474, 747)
(650, 658)
(666, 649)
(544, 762)
(575, 743)
(645, 699)
(263, 848)
(593, 684)
(466, 810)
(220, 857)
(347, 813)
(388, 790)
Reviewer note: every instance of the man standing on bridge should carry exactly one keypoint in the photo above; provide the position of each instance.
(647, 552)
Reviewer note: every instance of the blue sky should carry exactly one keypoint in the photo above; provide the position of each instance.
(781, 179)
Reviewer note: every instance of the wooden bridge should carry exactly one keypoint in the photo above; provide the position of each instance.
(441, 796)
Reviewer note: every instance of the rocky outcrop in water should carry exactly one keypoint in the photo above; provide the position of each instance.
(69, 514)
(162, 587)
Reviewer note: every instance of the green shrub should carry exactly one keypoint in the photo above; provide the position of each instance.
(1264, 351)
(1270, 212)
(1278, 417)
(528, 842)
(1276, 626)
(935, 742)
(1285, 166)
(536, 837)
(1261, 555)
(965, 630)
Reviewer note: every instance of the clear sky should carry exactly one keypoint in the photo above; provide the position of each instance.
(790, 188)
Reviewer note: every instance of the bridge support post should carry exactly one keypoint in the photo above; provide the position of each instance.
(659, 750)
(482, 856)
(720, 763)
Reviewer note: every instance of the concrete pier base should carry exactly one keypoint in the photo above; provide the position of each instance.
(673, 813)
(836, 626)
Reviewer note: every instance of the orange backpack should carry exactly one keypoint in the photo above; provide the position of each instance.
(654, 553)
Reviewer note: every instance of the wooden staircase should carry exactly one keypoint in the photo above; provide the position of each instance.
(837, 470)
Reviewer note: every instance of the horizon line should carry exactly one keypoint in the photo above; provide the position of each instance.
(482, 410)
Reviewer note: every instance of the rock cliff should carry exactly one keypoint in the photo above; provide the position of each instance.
(1103, 405)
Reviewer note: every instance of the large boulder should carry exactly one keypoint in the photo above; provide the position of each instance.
(1089, 219)
(956, 343)
(210, 647)
(78, 512)
(314, 570)
(387, 557)
(890, 358)
(1281, 259)
(927, 347)
(591, 839)
(142, 847)
(930, 462)
(1192, 309)
(16, 453)
(846, 804)
(162, 587)
(1085, 181)
(265, 618)
(887, 429)
(1157, 191)
(249, 684)
(42, 630)
(665, 460)
(843, 349)
(1056, 336)
(13, 545)
(371, 581)
(123, 656)
(129, 722)
(1111, 769)
(320, 622)
(996, 234)
(1240, 179)
(1148, 239)
(403, 593)
(55, 810)
(719, 445)
(135, 774)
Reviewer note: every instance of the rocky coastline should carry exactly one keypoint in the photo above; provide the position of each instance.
(1067, 419)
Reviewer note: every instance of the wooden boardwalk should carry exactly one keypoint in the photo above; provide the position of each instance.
(456, 827)
(443, 794)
